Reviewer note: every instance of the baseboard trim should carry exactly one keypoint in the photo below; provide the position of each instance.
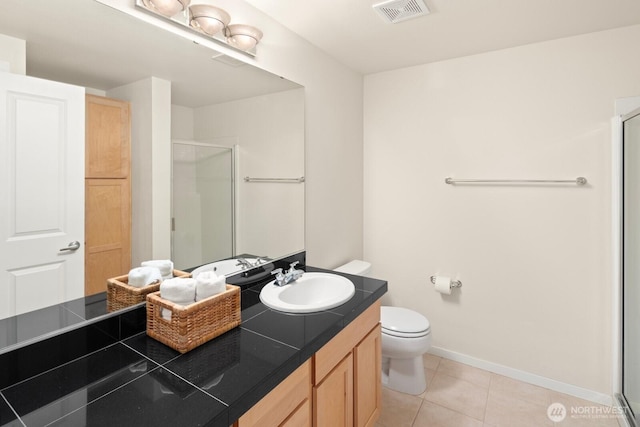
(527, 377)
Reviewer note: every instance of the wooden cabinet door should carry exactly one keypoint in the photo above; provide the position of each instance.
(368, 384)
(107, 191)
(333, 397)
(107, 231)
(107, 147)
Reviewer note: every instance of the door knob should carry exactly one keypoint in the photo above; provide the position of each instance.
(73, 246)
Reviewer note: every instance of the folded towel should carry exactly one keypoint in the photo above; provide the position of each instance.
(164, 265)
(143, 276)
(181, 290)
(208, 284)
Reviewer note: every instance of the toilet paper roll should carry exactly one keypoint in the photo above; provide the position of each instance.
(443, 285)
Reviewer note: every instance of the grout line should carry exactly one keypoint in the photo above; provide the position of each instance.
(13, 410)
(86, 405)
(484, 415)
(415, 417)
(144, 355)
(61, 365)
(269, 338)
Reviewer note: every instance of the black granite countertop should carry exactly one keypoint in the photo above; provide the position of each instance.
(135, 380)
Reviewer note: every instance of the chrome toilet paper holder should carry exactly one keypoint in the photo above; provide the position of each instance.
(454, 283)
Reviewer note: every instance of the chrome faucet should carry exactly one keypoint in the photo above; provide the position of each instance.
(291, 275)
(244, 263)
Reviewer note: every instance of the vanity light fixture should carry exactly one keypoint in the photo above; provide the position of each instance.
(243, 37)
(208, 19)
(167, 8)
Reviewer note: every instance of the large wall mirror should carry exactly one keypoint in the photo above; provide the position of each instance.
(217, 106)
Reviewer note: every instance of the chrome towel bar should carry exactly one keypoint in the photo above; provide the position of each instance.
(282, 180)
(578, 181)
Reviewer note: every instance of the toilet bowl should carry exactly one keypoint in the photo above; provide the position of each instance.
(406, 337)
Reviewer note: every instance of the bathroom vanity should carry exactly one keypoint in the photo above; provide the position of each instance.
(274, 369)
(339, 385)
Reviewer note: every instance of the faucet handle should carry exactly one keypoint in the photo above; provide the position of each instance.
(280, 279)
(292, 266)
(243, 263)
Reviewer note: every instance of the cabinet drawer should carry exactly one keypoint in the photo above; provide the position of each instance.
(283, 404)
(335, 350)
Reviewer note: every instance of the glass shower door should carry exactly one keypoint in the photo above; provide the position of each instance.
(631, 264)
(202, 203)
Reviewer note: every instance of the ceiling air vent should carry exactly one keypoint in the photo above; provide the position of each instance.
(393, 11)
(225, 59)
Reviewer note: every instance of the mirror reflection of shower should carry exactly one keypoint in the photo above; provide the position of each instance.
(203, 199)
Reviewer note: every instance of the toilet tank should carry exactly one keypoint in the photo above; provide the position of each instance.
(357, 267)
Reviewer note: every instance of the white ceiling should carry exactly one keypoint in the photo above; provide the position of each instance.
(86, 43)
(353, 33)
(89, 44)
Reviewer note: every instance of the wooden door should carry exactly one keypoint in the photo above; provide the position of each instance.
(368, 383)
(107, 191)
(333, 397)
(41, 188)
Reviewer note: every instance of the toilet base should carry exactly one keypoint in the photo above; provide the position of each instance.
(404, 375)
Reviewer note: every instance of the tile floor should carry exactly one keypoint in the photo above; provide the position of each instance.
(460, 395)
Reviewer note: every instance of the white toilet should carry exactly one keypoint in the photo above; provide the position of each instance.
(406, 336)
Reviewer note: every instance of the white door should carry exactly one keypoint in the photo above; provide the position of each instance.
(41, 193)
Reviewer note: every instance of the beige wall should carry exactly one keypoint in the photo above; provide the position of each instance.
(333, 131)
(269, 131)
(333, 144)
(534, 260)
(150, 166)
(13, 55)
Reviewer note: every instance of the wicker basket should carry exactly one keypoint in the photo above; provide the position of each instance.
(194, 324)
(121, 295)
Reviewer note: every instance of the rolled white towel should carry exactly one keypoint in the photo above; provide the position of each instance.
(180, 290)
(142, 276)
(208, 284)
(164, 265)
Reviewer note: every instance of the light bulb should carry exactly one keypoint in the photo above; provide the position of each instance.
(243, 37)
(208, 19)
(167, 8)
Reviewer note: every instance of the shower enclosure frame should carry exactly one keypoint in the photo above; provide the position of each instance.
(618, 271)
(216, 143)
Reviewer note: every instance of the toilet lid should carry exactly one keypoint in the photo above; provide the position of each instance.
(403, 322)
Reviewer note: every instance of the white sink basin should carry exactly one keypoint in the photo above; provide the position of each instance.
(222, 268)
(310, 293)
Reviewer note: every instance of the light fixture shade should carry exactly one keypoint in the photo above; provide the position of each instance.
(243, 37)
(167, 8)
(208, 19)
